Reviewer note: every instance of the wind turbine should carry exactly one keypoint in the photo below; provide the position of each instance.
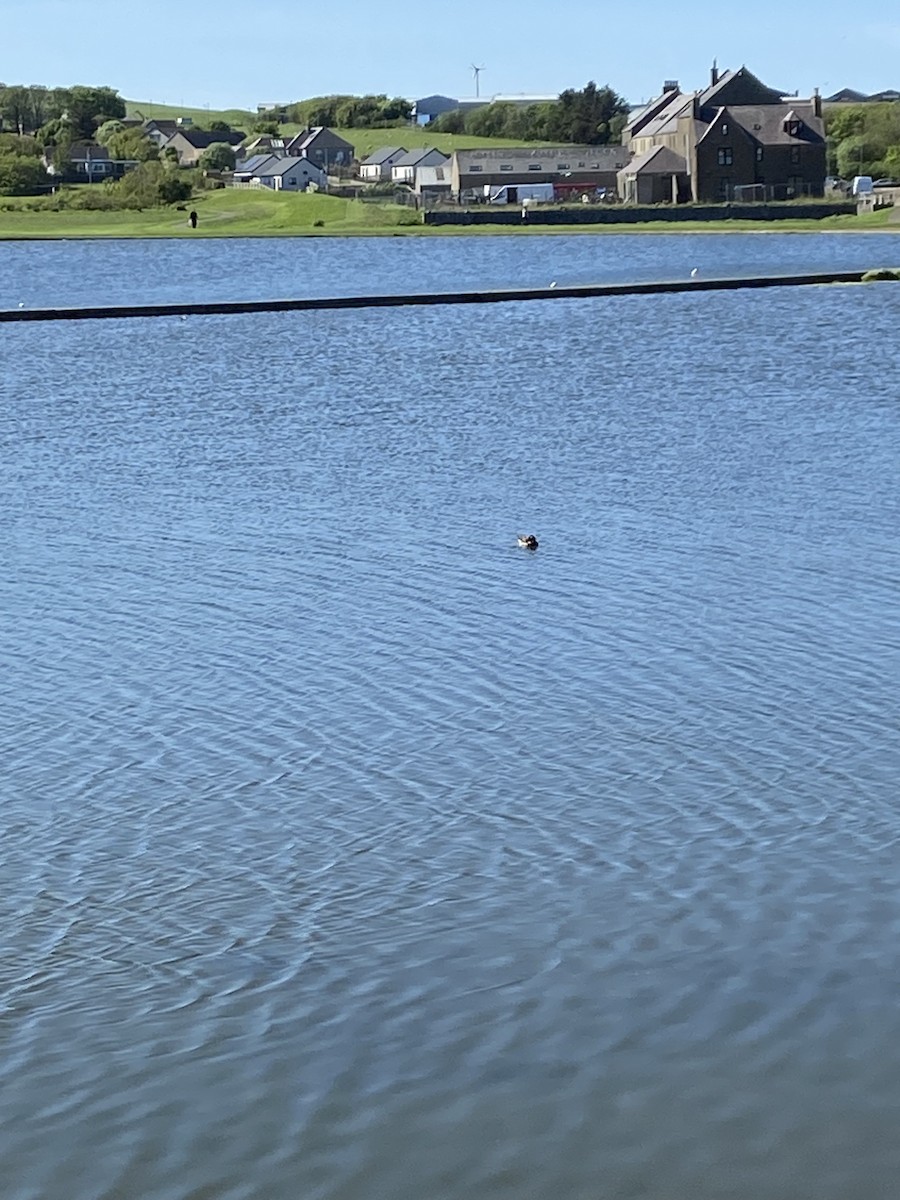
(476, 71)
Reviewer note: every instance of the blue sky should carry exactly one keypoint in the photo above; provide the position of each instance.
(234, 55)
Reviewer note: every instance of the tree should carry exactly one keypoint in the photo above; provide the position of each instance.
(150, 184)
(130, 144)
(107, 130)
(15, 108)
(21, 175)
(218, 156)
(219, 127)
(89, 107)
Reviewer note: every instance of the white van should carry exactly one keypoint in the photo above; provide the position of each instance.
(862, 185)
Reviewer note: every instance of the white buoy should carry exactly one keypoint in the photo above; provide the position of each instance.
(694, 273)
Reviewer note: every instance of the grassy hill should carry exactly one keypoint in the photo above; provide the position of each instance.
(363, 140)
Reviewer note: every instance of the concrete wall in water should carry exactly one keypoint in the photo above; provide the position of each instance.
(596, 215)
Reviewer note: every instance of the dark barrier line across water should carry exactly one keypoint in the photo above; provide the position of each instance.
(493, 296)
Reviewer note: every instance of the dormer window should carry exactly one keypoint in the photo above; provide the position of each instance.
(792, 124)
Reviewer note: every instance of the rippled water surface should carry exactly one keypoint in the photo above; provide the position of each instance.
(349, 850)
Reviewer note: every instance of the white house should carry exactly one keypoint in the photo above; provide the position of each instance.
(378, 165)
(281, 172)
(404, 169)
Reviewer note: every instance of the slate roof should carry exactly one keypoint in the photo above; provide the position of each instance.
(250, 165)
(659, 160)
(765, 123)
(283, 166)
(411, 157)
(379, 157)
(201, 139)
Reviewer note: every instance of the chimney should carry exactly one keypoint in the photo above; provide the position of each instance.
(817, 102)
(670, 85)
(714, 75)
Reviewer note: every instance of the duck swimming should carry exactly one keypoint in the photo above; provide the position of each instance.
(528, 541)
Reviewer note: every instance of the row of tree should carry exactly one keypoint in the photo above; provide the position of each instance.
(27, 110)
(351, 112)
(864, 139)
(592, 116)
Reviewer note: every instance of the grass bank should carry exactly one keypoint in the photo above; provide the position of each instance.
(364, 141)
(233, 212)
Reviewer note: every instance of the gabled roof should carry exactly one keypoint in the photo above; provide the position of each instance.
(306, 137)
(659, 160)
(846, 96)
(379, 157)
(769, 124)
(739, 80)
(252, 164)
(201, 139)
(283, 166)
(411, 157)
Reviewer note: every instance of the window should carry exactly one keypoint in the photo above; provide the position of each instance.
(759, 153)
(792, 128)
(535, 167)
(506, 166)
(724, 129)
(474, 167)
(581, 164)
(562, 166)
(795, 154)
(723, 156)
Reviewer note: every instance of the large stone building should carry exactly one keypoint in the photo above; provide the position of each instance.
(735, 140)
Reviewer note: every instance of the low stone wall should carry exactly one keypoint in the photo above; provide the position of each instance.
(635, 214)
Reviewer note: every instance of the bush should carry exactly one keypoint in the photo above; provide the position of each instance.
(22, 175)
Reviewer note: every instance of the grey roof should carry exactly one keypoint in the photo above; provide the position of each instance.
(411, 157)
(575, 158)
(379, 157)
(306, 137)
(283, 166)
(712, 95)
(846, 96)
(252, 164)
(765, 123)
(659, 160)
(200, 139)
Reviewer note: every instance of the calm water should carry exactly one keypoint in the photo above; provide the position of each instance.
(349, 851)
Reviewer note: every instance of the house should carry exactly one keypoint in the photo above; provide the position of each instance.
(87, 162)
(290, 173)
(160, 129)
(433, 183)
(321, 146)
(849, 96)
(735, 140)
(574, 168)
(404, 169)
(659, 176)
(281, 172)
(378, 165)
(189, 144)
(266, 143)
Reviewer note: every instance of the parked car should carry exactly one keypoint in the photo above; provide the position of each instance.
(885, 183)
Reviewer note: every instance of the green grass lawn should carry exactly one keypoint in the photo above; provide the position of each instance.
(229, 211)
(259, 212)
